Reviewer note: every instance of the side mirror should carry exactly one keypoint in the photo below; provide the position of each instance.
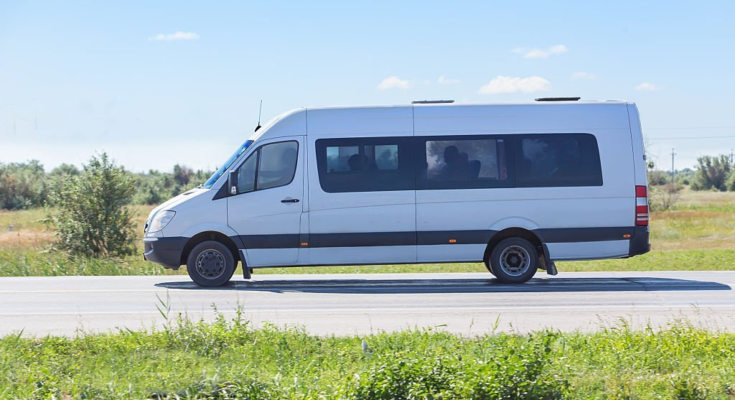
(232, 182)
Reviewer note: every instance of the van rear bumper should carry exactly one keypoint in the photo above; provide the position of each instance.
(639, 243)
(165, 251)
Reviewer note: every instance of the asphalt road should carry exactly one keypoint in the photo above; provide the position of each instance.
(468, 304)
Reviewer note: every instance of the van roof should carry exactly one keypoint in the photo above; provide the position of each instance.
(447, 104)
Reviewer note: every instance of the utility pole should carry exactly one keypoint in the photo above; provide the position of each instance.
(672, 165)
(731, 156)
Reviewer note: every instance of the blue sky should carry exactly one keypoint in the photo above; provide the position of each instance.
(159, 83)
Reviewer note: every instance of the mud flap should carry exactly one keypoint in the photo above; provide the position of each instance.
(549, 265)
(246, 272)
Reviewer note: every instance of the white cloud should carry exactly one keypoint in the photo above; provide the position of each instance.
(648, 87)
(541, 53)
(446, 81)
(509, 84)
(174, 36)
(583, 75)
(394, 82)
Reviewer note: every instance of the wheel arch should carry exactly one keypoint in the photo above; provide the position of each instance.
(513, 232)
(210, 235)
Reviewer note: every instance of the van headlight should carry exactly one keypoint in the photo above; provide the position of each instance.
(160, 221)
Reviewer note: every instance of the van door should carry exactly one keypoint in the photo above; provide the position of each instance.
(362, 207)
(266, 210)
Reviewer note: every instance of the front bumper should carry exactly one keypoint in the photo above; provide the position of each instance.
(639, 243)
(165, 251)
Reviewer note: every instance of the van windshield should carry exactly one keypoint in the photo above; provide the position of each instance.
(208, 184)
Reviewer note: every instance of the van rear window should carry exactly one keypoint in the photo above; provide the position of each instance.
(557, 160)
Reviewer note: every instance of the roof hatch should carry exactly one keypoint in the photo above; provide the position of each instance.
(432, 102)
(558, 98)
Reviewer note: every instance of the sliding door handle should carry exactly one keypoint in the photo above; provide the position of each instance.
(289, 200)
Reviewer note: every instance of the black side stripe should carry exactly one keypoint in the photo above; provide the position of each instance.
(574, 235)
(426, 238)
(362, 239)
(282, 241)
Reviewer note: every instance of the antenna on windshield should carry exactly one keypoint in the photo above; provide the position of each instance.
(259, 113)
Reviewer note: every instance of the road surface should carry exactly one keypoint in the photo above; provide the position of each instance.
(468, 304)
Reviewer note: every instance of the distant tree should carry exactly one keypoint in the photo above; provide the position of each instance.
(65, 169)
(712, 173)
(657, 177)
(22, 185)
(182, 174)
(90, 215)
(731, 181)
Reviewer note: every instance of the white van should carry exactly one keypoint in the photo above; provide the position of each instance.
(516, 186)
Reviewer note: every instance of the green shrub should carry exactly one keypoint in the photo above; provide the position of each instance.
(731, 181)
(22, 185)
(91, 218)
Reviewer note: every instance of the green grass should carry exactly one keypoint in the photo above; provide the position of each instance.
(227, 359)
(24, 263)
(698, 233)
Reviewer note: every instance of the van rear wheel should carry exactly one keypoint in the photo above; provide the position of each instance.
(514, 260)
(210, 264)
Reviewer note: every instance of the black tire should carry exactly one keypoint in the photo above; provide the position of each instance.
(519, 263)
(210, 264)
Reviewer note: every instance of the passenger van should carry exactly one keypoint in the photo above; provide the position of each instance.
(515, 186)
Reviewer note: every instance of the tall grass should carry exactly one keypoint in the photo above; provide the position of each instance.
(227, 359)
(50, 263)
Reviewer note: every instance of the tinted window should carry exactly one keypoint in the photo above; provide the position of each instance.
(365, 164)
(463, 162)
(246, 174)
(277, 164)
(557, 160)
(270, 166)
(343, 159)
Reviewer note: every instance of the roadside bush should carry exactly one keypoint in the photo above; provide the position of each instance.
(91, 218)
(712, 173)
(663, 197)
(518, 371)
(399, 377)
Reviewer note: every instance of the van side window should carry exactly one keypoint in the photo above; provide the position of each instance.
(464, 163)
(271, 166)
(343, 159)
(557, 160)
(277, 164)
(365, 164)
(246, 174)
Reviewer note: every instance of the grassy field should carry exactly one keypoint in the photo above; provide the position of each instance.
(698, 233)
(226, 359)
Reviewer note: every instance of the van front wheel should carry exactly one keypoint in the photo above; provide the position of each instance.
(514, 260)
(210, 264)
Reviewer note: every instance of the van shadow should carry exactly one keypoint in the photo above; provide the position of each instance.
(439, 286)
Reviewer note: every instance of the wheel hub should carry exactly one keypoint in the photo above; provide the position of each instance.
(515, 260)
(210, 264)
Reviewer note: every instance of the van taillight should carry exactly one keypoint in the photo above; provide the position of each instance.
(641, 206)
